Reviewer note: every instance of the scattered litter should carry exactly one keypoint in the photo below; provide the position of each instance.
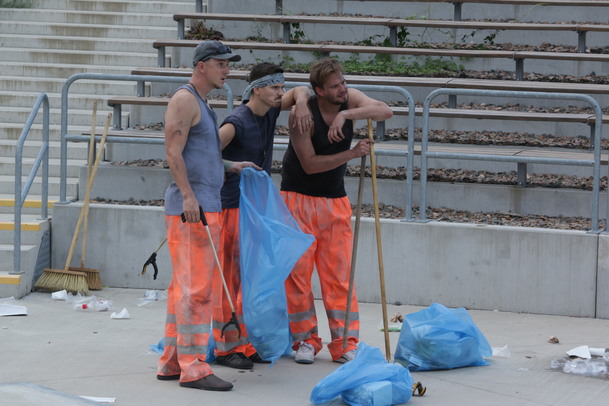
(123, 314)
(92, 303)
(99, 400)
(393, 326)
(152, 296)
(12, 310)
(584, 360)
(395, 323)
(598, 352)
(553, 340)
(502, 352)
(159, 347)
(583, 351)
(60, 295)
(77, 298)
(595, 367)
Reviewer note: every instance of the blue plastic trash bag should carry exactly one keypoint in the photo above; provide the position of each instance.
(270, 243)
(351, 381)
(380, 393)
(441, 338)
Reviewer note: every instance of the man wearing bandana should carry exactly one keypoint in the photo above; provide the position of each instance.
(247, 134)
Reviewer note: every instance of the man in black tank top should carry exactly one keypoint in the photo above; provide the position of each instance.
(312, 185)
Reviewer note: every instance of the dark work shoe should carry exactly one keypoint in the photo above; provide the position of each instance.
(210, 382)
(168, 377)
(236, 360)
(257, 359)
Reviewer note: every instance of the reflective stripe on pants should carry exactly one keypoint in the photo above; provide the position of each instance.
(329, 220)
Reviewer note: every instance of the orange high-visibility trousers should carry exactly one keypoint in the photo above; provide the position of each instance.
(232, 274)
(189, 298)
(329, 220)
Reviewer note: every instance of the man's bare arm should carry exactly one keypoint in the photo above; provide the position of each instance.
(182, 112)
(360, 107)
(299, 98)
(313, 163)
(227, 134)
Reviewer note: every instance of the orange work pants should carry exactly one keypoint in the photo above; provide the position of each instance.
(329, 220)
(232, 274)
(189, 298)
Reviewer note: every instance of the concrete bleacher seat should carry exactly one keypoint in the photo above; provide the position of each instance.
(392, 24)
(326, 49)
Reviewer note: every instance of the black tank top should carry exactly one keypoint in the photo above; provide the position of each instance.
(324, 184)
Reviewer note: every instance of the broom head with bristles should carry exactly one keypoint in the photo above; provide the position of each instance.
(93, 278)
(53, 280)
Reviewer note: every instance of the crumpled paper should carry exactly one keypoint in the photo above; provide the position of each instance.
(123, 314)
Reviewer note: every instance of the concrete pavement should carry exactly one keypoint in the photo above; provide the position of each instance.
(55, 354)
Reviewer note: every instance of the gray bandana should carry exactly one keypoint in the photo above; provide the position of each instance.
(262, 82)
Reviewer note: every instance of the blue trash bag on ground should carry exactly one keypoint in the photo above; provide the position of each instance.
(441, 338)
(352, 381)
(271, 243)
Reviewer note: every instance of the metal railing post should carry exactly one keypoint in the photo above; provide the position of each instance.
(42, 160)
(595, 140)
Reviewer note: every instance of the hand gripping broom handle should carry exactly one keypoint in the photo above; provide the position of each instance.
(88, 192)
(358, 213)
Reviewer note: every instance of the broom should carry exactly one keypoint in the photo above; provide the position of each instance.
(73, 281)
(93, 277)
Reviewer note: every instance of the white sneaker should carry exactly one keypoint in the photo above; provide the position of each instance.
(305, 353)
(348, 356)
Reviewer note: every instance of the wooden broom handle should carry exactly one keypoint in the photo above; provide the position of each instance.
(90, 161)
(379, 245)
(88, 192)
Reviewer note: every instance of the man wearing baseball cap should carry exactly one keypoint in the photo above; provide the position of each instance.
(194, 157)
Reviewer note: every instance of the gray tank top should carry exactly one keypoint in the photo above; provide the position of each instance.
(203, 157)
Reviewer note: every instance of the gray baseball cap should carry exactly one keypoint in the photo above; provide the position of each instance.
(213, 49)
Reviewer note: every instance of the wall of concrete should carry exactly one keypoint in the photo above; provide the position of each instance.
(478, 267)
(146, 183)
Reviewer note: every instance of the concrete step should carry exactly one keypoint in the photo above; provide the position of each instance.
(15, 54)
(89, 87)
(34, 231)
(25, 26)
(75, 100)
(88, 17)
(77, 43)
(31, 148)
(12, 131)
(32, 226)
(120, 6)
(7, 183)
(7, 166)
(33, 203)
(57, 70)
(7, 256)
(75, 116)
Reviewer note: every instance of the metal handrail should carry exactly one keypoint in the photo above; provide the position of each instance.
(596, 141)
(41, 160)
(140, 79)
(63, 172)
